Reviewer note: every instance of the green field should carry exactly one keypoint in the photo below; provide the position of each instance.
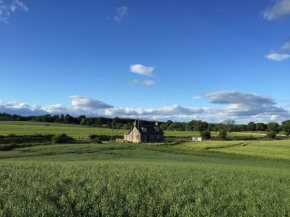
(28, 128)
(190, 179)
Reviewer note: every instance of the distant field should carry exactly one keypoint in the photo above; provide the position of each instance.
(143, 180)
(26, 128)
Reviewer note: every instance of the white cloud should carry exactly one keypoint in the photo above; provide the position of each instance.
(8, 7)
(142, 70)
(243, 107)
(144, 83)
(280, 10)
(277, 57)
(88, 103)
(196, 97)
(122, 13)
(286, 46)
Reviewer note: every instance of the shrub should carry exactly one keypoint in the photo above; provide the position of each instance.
(61, 139)
(205, 134)
(223, 134)
(271, 135)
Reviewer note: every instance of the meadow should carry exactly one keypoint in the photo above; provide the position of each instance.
(190, 179)
(28, 128)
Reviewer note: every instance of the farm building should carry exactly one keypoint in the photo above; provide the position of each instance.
(197, 138)
(144, 133)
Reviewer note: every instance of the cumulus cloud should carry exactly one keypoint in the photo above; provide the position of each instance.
(142, 70)
(277, 57)
(122, 13)
(144, 83)
(243, 107)
(88, 103)
(278, 11)
(8, 7)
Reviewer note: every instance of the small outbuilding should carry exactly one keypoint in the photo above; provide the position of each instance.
(144, 133)
(197, 138)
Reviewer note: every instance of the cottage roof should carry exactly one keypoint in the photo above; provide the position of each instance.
(148, 129)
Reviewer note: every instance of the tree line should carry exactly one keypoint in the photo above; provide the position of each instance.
(126, 123)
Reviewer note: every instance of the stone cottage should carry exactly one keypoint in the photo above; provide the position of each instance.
(144, 133)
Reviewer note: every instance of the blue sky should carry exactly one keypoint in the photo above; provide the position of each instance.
(164, 59)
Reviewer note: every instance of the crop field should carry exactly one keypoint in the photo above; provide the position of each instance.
(191, 179)
(28, 128)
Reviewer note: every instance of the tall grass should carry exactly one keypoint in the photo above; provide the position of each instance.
(139, 180)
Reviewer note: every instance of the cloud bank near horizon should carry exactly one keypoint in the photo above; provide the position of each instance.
(243, 107)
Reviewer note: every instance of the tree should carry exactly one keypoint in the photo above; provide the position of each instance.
(272, 126)
(83, 121)
(229, 124)
(109, 125)
(200, 126)
(128, 126)
(205, 134)
(251, 126)
(285, 127)
(61, 120)
(190, 125)
(242, 127)
(271, 135)
(223, 134)
(261, 127)
(163, 127)
(176, 127)
(169, 122)
(98, 122)
(119, 126)
(68, 119)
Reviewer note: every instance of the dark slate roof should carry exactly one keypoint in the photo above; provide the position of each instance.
(148, 130)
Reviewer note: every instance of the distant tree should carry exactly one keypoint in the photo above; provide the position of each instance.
(68, 119)
(163, 127)
(128, 126)
(271, 135)
(19, 118)
(251, 126)
(61, 119)
(169, 122)
(229, 125)
(220, 126)
(80, 118)
(176, 127)
(223, 134)
(285, 127)
(109, 125)
(119, 126)
(242, 127)
(98, 122)
(201, 126)
(261, 126)
(83, 121)
(190, 125)
(272, 126)
(205, 134)
(55, 118)
(90, 122)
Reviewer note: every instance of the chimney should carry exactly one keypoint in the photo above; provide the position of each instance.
(135, 123)
(156, 123)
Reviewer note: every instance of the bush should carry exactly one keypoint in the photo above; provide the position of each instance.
(61, 139)
(205, 134)
(271, 135)
(223, 134)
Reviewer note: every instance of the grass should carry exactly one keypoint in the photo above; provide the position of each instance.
(28, 128)
(190, 179)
